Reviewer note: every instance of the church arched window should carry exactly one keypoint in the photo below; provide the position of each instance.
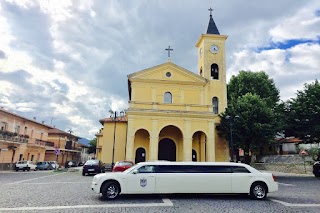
(201, 71)
(215, 104)
(214, 71)
(167, 97)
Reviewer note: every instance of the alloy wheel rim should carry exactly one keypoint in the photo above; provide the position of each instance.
(112, 191)
(259, 191)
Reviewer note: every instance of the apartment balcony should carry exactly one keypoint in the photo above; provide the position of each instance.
(14, 139)
(44, 143)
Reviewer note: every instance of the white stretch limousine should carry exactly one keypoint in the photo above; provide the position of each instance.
(164, 177)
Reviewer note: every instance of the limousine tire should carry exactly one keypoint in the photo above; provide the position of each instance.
(258, 191)
(110, 190)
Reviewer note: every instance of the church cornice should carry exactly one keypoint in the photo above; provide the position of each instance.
(172, 113)
(169, 82)
(167, 65)
(211, 37)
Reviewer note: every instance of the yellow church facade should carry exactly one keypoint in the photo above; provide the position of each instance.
(173, 112)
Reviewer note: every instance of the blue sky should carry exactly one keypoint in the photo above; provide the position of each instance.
(67, 62)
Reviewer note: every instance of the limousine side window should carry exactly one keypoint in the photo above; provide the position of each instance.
(192, 169)
(240, 169)
(146, 169)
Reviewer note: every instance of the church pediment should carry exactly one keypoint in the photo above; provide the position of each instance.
(167, 73)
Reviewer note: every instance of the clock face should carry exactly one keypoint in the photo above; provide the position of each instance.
(214, 48)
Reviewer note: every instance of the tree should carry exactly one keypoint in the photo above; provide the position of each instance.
(257, 83)
(254, 98)
(92, 146)
(254, 126)
(304, 114)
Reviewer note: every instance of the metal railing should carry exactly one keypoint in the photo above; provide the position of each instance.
(17, 139)
(44, 143)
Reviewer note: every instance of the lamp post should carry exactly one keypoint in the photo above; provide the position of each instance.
(113, 116)
(231, 120)
(67, 147)
(70, 139)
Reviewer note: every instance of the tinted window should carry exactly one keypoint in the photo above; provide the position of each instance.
(192, 169)
(90, 162)
(240, 169)
(124, 164)
(146, 169)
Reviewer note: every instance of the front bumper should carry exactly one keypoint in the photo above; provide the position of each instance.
(95, 187)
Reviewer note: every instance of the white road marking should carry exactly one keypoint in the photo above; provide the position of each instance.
(21, 181)
(166, 203)
(296, 204)
(56, 183)
(285, 184)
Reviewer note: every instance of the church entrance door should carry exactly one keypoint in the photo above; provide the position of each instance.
(167, 150)
(140, 155)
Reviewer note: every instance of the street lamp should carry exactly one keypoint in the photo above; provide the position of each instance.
(113, 116)
(231, 120)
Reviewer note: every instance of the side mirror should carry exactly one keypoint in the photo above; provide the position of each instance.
(135, 171)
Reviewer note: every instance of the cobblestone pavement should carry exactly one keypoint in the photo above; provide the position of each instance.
(48, 191)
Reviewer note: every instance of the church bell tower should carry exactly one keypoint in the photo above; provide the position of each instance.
(212, 64)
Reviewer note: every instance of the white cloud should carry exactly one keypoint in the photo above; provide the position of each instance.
(305, 24)
(69, 60)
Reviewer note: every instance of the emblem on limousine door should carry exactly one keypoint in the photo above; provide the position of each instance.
(143, 182)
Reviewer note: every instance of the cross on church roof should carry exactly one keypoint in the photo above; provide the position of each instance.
(210, 9)
(169, 49)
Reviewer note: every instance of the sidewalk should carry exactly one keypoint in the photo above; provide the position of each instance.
(288, 174)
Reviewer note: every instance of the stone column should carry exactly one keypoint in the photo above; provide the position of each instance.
(202, 148)
(187, 149)
(130, 141)
(211, 143)
(154, 141)
(187, 141)
(153, 148)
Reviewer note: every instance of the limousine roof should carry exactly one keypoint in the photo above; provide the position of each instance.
(192, 163)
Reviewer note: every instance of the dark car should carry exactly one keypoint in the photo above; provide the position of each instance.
(93, 167)
(316, 169)
(121, 166)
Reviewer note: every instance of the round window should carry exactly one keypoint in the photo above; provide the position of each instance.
(168, 74)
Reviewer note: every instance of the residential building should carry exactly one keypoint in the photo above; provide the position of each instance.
(22, 139)
(66, 147)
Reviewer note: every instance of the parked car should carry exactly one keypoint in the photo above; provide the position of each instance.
(186, 177)
(44, 165)
(25, 165)
(121, 166)
(316, 169)
(80, 164)
(93, 167)
(70, 163)
(54, 164)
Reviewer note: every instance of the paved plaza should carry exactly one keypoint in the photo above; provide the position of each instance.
(48, 191)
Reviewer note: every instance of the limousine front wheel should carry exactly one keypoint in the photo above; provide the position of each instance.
(258, 191)
(110, 190)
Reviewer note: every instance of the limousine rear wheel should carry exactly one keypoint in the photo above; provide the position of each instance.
(258, 191)
(110, 190)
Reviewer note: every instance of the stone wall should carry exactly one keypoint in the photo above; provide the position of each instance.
(284, 167)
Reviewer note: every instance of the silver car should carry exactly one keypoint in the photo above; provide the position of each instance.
(54, 164)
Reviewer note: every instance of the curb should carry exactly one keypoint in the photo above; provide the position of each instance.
(287, 174)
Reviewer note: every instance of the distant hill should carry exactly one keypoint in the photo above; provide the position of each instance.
(84, 141)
